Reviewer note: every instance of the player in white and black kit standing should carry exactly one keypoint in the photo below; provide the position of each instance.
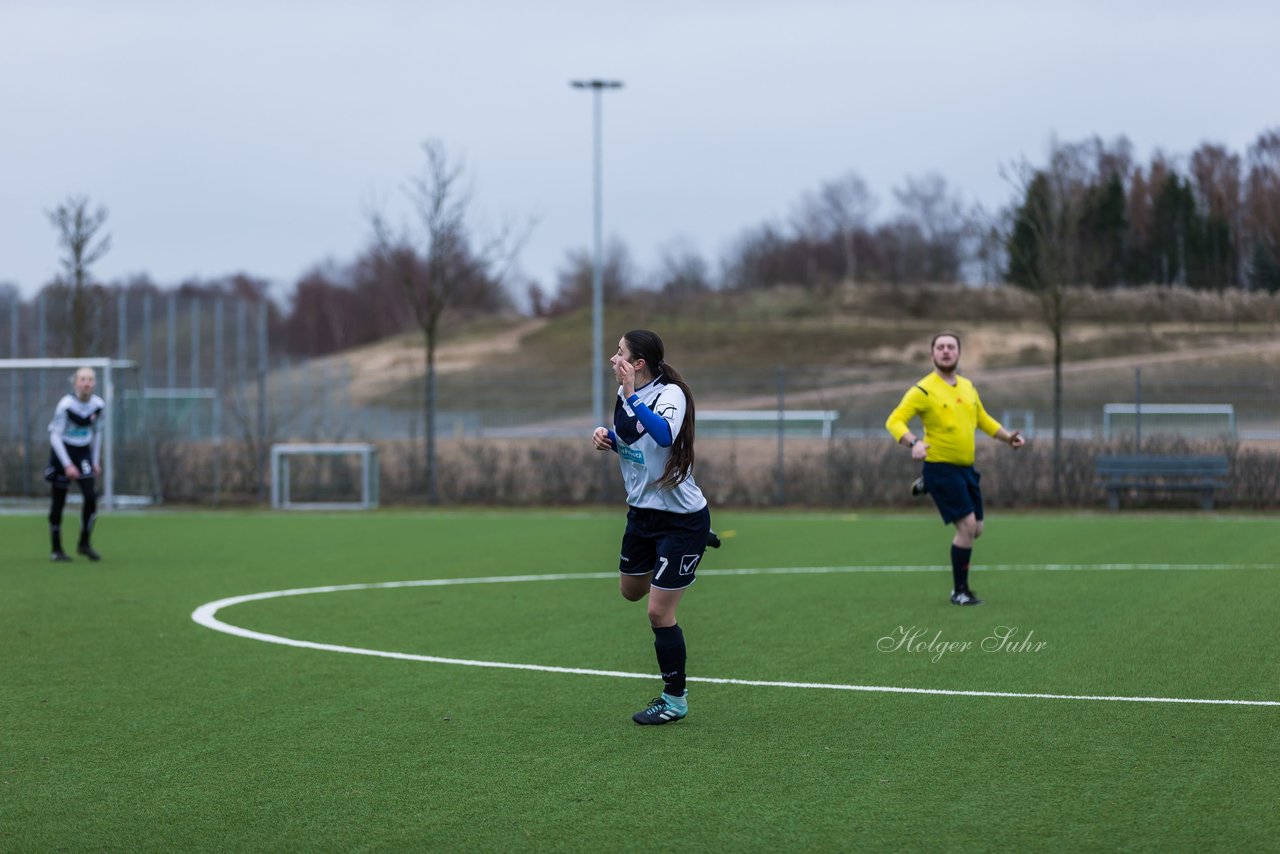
(668, 523)
(75, 437)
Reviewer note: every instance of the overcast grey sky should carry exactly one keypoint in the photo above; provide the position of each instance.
(256, 136)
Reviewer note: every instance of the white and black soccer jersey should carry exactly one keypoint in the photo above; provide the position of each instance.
(643, 457)
(77, 424)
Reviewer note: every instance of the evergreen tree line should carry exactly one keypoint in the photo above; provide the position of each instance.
(1213, 224)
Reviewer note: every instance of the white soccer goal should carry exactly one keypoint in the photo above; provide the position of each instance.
(1188, 420)
(765, 422)
(326, 485)
(30, 389)
(1022, 420)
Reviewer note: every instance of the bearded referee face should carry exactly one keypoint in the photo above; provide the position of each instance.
(946, 353)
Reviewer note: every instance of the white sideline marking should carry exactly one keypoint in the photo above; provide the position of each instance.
(206, 615)
(1008, 567)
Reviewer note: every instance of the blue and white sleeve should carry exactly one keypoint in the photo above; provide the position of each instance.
(657, 426)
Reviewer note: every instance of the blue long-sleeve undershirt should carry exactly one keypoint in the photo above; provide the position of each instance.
(657, 426)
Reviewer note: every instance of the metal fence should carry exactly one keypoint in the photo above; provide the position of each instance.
(212, 392)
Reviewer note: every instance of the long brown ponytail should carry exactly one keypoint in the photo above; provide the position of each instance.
(648, 346)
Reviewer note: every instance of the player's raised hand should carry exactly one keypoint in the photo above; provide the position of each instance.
(625, 373)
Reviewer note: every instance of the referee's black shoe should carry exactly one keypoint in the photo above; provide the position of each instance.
(87, 550)
(965, 597)
(918, 488)
(60, 557)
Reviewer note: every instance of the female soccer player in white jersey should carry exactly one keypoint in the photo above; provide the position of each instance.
(75, 439)
(668, 522)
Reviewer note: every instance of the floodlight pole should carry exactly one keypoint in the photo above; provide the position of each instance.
(598, 412)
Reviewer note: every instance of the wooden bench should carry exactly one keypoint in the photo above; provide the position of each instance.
(1202, 474)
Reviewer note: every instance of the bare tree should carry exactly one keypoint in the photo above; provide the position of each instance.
(1046, 255)
(574, 280)
(991, 247)
(846, 205)
(682, 272)
(1262, 211)
(836, 213)
(903, 251)
(436, 263)
(77, 230)
(762, 257)
(1218, 186)
(929, 204)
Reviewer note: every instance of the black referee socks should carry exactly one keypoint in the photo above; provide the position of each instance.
(960, 568)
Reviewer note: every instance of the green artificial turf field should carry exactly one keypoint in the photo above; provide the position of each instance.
(125, 725)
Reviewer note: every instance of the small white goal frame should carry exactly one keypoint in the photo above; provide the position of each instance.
(769, 419)
(1225, 411)
(281, 452)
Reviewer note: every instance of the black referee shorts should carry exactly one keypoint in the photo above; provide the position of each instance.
(954, 489)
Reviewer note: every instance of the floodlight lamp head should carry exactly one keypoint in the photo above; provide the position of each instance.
(596, 84)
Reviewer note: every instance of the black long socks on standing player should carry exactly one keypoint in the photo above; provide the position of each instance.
(88, 514)
(55, 518)
(960, 568)
(668, 642)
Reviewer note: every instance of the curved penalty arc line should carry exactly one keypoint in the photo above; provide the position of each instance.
(207, 615)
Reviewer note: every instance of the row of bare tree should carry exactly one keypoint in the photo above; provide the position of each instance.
(1088, 215)
(1211, 220)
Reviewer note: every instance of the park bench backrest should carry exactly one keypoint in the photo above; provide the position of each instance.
(1162, 465)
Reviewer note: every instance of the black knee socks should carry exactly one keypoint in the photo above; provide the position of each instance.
(55, 518)
(960, 568)
(89, 514)
(668, 642)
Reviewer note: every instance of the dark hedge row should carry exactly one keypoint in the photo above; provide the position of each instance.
(863, 474)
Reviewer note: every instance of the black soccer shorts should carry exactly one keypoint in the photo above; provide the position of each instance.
(669, 545)
(81, 458)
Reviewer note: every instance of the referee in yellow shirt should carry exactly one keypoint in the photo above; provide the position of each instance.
(951, 412)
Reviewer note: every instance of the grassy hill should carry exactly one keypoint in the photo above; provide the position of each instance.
(854, 349)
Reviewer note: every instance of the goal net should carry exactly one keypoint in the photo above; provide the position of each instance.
(324, 476)
(30, 390)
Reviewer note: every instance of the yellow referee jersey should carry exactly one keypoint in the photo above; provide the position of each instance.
(951, 415)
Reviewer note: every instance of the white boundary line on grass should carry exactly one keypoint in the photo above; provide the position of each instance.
(206, 615)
